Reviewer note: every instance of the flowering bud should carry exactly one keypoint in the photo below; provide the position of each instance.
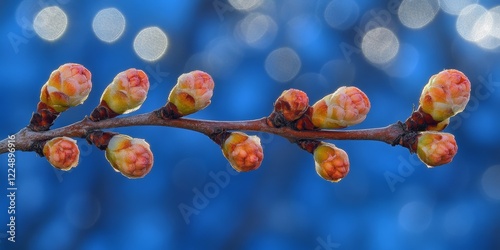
(445, 95)
(332, 163)
(130, 156)
(243, 152)
(67, 87)
(345, 107)
(292, 103)
(127, 92)
(192, 92)
(62, 152)
(436, 148)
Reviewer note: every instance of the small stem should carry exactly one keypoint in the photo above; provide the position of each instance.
(25, 137)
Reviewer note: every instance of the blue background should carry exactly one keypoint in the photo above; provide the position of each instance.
(389, 200)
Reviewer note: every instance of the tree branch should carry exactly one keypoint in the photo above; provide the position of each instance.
(25, 138)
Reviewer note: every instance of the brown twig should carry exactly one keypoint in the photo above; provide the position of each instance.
(25, 138)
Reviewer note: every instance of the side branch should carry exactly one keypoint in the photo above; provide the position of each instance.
(25, 138)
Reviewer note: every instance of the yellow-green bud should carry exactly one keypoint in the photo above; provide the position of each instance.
(68, 86)
(243, 152)
(345, 107)
(127, 92)
(62, 152)
(436, 148)
(332, 163)
(192, 92)
(130, 156)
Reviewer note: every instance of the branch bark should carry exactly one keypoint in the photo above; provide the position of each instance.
(25, 138)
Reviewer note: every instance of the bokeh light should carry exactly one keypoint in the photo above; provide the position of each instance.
(283, 64)
(254, 50)
(454, 7)
(415, 216)
(380, 45)
(257, 30)
(417, 14)
(108, 24)
(474, 23)
(495, 15)
(245, 5)
(492, 39)
(151, 43)
(50, 23)
(341, 14)
(490, 182)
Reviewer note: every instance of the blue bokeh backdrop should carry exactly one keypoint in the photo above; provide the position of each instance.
(192, 199)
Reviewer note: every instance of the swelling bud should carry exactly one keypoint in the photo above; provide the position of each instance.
(68, 86)
(62, 153)
(123, 95)
(445, 95)
(130, 156)
(289, 106)
(331, 162)
(436, 148)
(243, 152)
(345, 107)
(192, 93)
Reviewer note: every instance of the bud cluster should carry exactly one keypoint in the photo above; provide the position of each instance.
(347, 106)
(70, 85)
(445, 95)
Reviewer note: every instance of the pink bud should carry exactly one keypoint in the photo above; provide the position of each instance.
(192, 92)
(243, 152)
(127, 92)
(445, 95)
(332, 163)
(68, 86)
(436, 148)
(292, 103)
(62, 152)
(345, 107)
(130, 156)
